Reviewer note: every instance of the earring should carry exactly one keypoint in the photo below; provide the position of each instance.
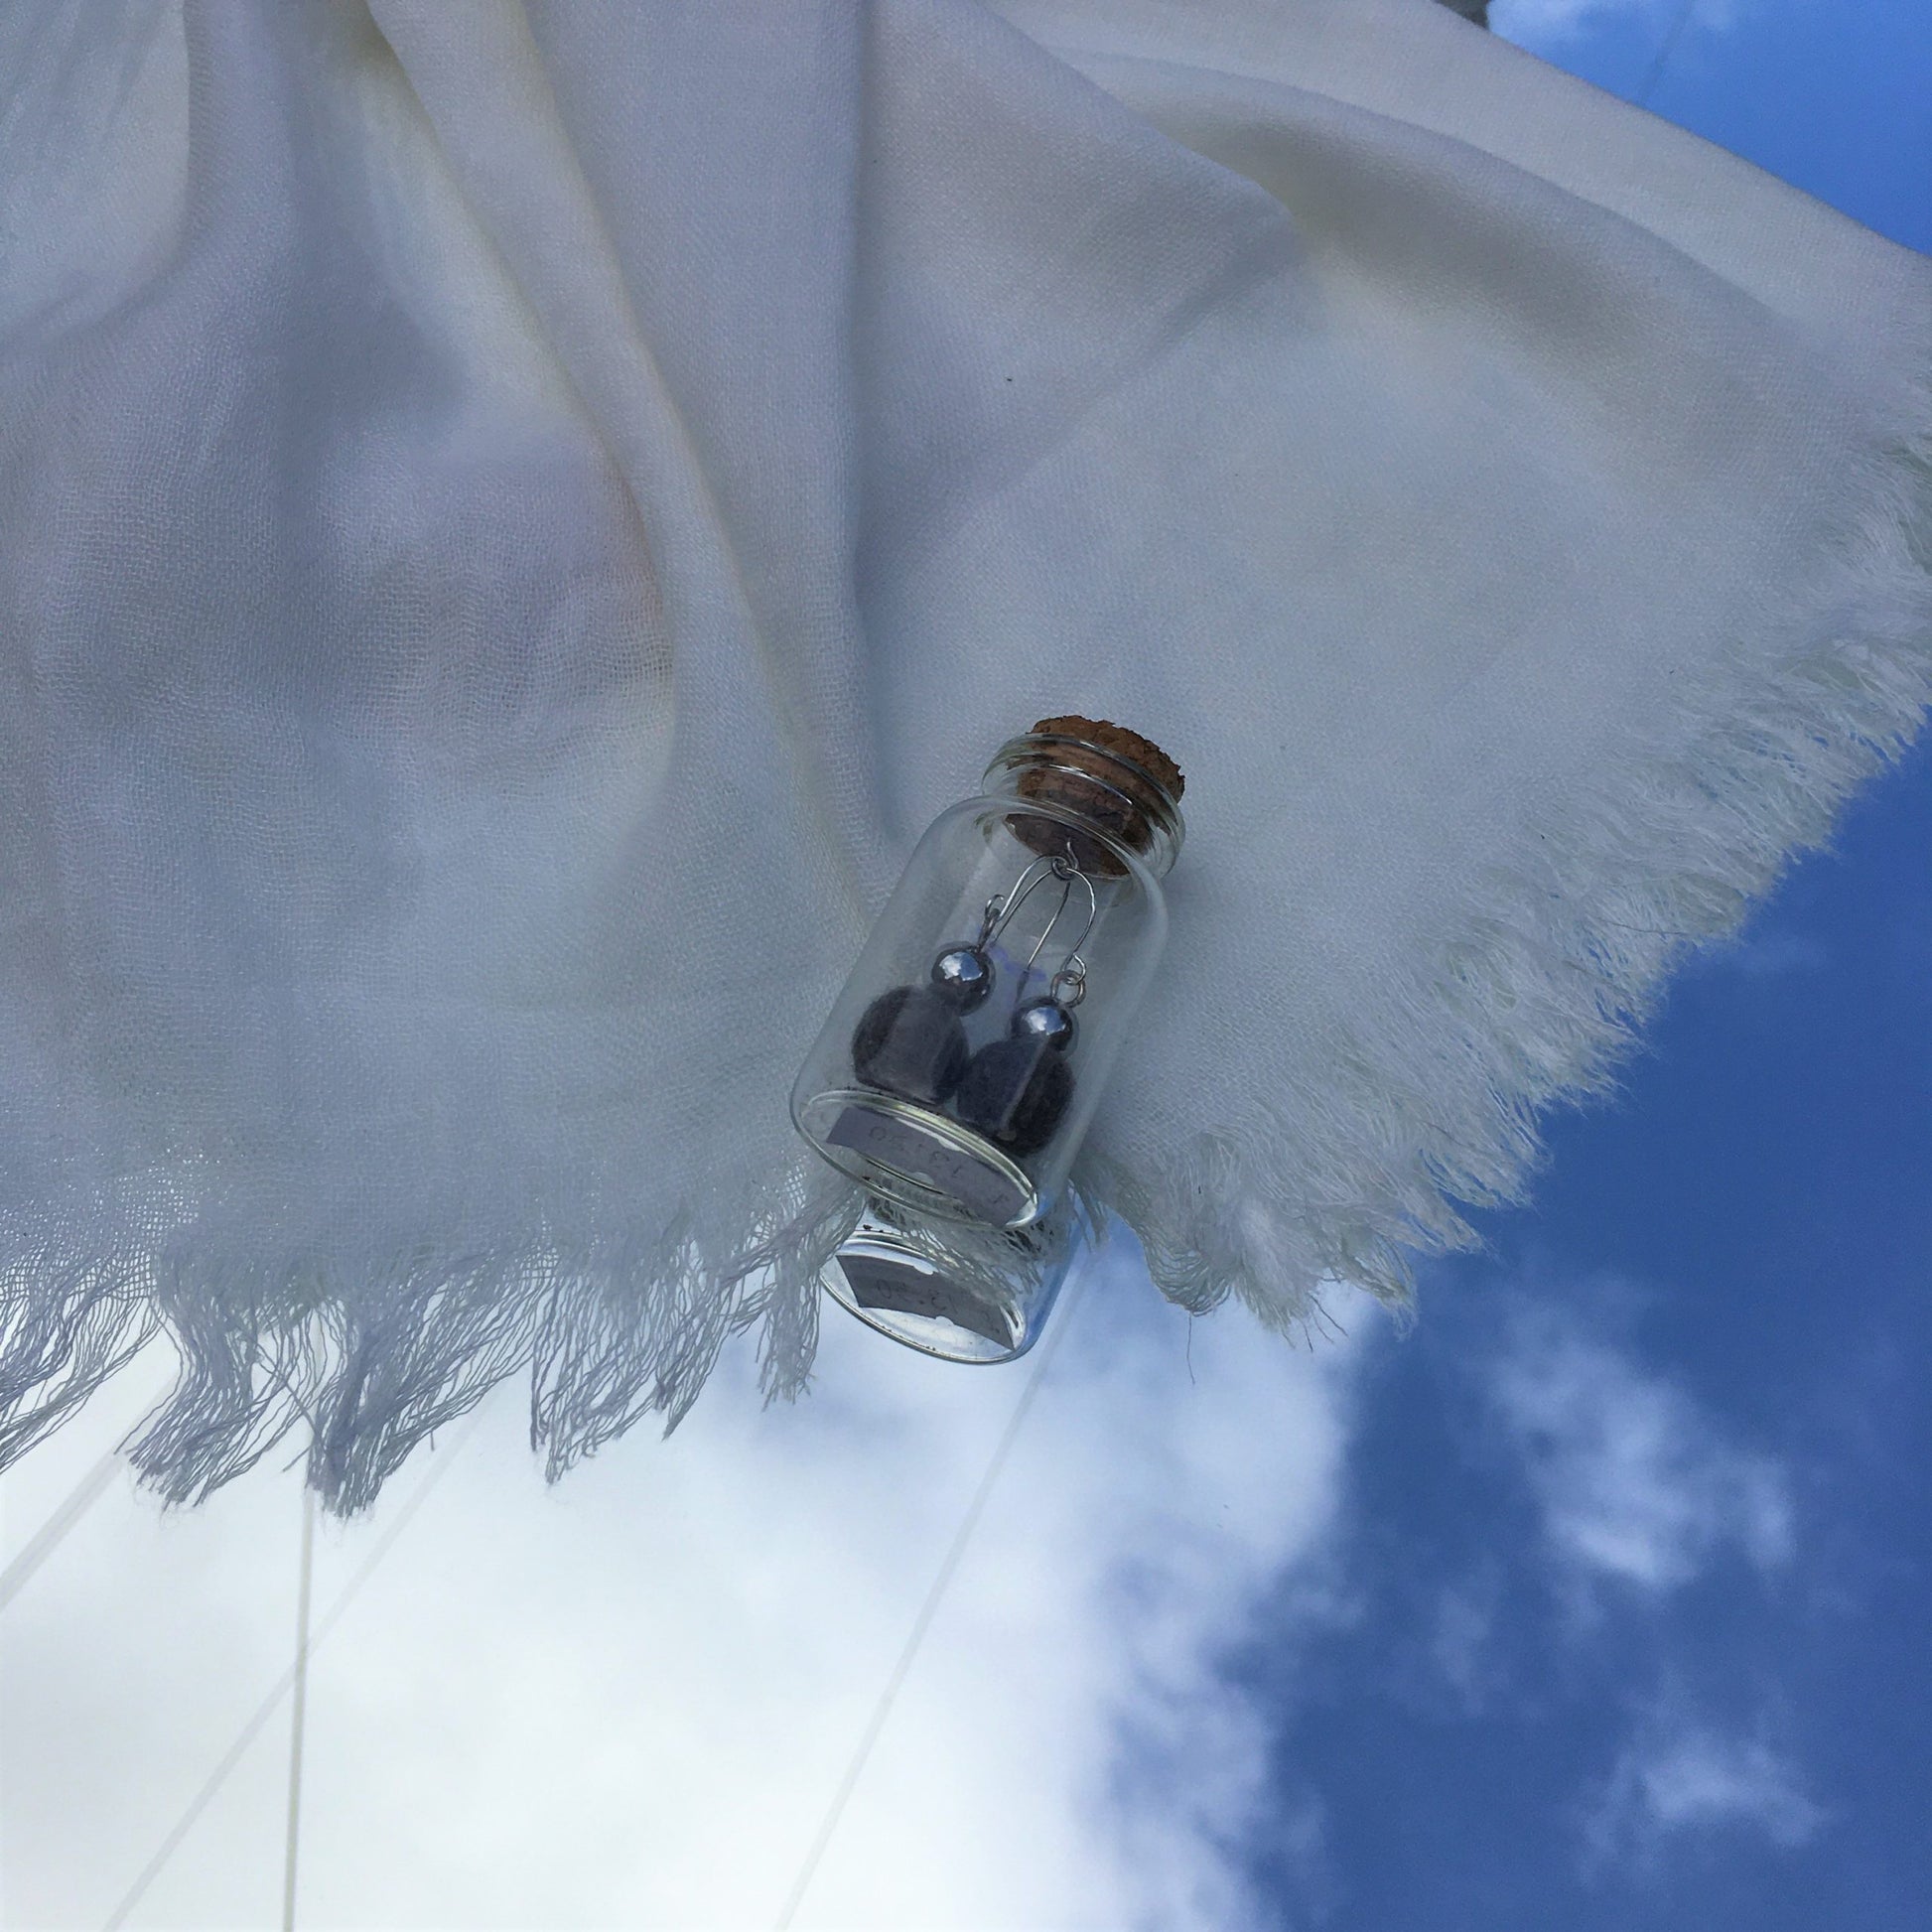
(909, 1040)
(1015, 1091)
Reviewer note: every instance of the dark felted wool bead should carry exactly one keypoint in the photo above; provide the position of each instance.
(1015, 1092)
(909, 1041)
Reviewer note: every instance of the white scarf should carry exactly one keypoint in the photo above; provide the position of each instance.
(513, 521)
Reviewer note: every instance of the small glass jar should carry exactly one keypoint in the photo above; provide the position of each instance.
(954, 1288)
(962, 1063)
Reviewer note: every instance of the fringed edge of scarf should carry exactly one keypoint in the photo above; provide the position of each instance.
(613, 1330)
(1539, 997)
(1539, 994)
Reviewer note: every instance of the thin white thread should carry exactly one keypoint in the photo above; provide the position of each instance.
(53, 1532)
(942, 1578)
(298, 1711)
(439, 1467)
(49, 1537)
(1669, 47)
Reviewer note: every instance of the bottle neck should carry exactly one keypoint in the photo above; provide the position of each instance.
(1092, 803)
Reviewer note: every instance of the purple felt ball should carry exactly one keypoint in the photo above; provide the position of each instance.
(1015, 1092)
(909, 1041)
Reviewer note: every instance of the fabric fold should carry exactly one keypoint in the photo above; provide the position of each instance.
(517, 517)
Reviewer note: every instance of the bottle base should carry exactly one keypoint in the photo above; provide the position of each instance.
(905, 1151)
(956, 1294)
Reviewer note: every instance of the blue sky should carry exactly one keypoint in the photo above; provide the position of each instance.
(1637, 1625)
(1599, 1601)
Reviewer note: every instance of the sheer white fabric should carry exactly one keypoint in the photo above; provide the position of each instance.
(514, 518)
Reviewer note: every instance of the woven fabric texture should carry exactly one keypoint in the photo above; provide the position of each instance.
(515, 517)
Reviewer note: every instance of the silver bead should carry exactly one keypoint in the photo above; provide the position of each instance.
(963, 976)
(1045, 1021)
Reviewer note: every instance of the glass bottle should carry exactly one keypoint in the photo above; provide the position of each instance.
(962, 1063)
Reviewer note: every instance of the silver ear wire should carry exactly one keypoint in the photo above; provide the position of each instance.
(1001, 909)
(1073, 970)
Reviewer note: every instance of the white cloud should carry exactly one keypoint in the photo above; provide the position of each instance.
(1640, 1492)
(1637, 1484)
(626, 1701)
(1681, 1779)
(1461, 1639)
(1547, 23)
(1763, 956)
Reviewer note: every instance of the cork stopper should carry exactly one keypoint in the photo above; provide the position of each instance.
(1121, 783)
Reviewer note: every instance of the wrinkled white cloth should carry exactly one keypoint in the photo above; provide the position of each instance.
(515, 517)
